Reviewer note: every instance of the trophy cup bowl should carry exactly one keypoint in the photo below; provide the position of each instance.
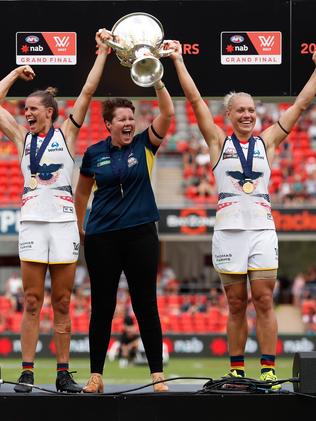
(138, 43)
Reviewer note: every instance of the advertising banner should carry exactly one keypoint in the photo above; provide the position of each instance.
(177, 346)
(199, 221)
(193, 221)
(220, 40)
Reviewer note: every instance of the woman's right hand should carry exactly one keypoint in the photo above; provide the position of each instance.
(25, 73)
(177, 49)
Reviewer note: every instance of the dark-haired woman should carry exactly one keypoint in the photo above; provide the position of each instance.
(121, 233)
(48, 237)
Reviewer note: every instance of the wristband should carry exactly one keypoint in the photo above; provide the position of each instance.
(158, 88)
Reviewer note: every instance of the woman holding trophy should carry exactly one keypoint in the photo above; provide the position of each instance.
(245, 244)
(121, 234)
(48, 236)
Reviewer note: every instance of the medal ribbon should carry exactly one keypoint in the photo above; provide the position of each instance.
(246, 164)
(35, 158)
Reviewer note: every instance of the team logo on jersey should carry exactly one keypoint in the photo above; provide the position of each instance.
(131, 161)
(48, 173)
(230, 153)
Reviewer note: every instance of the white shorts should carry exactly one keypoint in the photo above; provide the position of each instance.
(238, 252)
(49, 242)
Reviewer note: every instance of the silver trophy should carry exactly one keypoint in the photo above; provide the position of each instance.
(138, 43)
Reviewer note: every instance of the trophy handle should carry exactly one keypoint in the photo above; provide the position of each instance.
(165, 53)
(114, 45)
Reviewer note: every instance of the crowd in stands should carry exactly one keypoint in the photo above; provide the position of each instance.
(189, 305)
(293, 179)
(185, 307)
(293, 175)
(304, 297)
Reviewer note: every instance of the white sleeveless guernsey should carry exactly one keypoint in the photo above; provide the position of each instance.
(237, 210)
(51, 200)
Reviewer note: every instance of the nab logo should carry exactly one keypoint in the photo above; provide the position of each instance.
(266, 41)
(62, 42)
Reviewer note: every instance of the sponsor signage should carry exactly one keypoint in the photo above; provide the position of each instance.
(176, 345)
(191, 221)
(216, 55)
(303, 42)
(9, 221)
(251, 48)
(49, 48)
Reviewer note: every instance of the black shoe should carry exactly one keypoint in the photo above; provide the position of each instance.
(66, 383)
(27, 376)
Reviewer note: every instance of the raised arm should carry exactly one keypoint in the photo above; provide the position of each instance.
(82, 103)
(8, 125)
(213, 135)
(275, 134)
(161, 123)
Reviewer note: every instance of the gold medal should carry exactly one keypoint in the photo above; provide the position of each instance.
(248, 187)
(33, 182)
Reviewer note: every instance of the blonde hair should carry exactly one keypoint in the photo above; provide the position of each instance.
(228, 99)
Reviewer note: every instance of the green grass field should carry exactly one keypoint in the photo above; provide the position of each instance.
(113, 374)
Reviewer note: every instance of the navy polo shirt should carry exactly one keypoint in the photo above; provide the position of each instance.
(123, 195)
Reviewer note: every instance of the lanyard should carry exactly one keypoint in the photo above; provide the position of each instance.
(246, 164)
(119, 168)
(35, 158)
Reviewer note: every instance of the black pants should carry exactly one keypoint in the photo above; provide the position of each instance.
(134, 251)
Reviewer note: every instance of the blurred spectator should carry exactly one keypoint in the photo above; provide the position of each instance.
(14, 291)
(82, 277)
(80, 303)
(3, 322)
(309, 316)
(129, 342)
(19, 301)
(186, 306)
(310, 283)
(167, 280)
(13, 284)
(298, 289)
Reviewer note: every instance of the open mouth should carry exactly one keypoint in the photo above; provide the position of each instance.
(127, 133)
(31, 123)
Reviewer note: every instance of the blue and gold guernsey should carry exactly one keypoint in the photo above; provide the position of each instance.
(123, 195)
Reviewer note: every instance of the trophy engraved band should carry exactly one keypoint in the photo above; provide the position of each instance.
(138, 43)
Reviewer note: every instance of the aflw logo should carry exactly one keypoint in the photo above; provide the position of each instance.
(266, 41)
(62, 42)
